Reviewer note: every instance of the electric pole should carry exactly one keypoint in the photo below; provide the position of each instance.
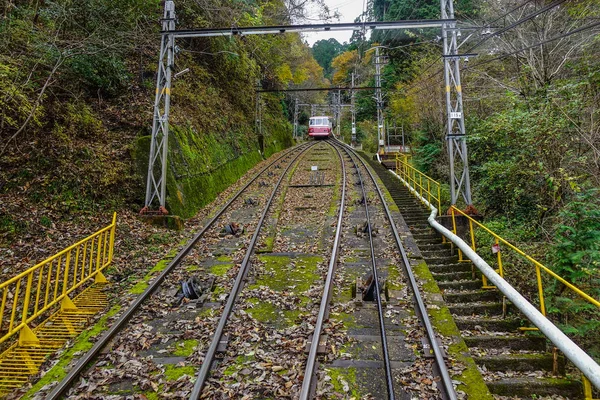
(296, 118)
(353, 110)
(379, 102)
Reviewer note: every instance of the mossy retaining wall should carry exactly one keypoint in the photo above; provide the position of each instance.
(201, 165)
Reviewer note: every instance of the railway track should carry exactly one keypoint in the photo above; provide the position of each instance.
(271, 351)
(254, 187)
(392, 368)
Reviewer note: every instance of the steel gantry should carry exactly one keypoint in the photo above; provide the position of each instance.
(460, 183)
(157, 162)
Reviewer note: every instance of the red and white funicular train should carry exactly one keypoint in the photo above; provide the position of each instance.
(319, 127)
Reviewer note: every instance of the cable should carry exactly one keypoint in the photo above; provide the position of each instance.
(517, 23)
(552, 39)
(512, 26)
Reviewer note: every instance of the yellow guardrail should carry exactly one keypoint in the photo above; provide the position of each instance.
(539, 267)
(35, 291)
(427, 187)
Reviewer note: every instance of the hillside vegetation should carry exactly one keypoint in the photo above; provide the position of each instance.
(78, 81)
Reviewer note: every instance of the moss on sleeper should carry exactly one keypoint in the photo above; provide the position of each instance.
(173, 372)
(346, 374)
(279, 275)
(220, 269)
(185, 348)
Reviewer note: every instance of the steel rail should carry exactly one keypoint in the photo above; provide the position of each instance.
(237, 286)
(66, 382)
(447, 385)
(324, 307)
(377, 294)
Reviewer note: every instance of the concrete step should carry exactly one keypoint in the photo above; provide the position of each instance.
(529, 388)
(452, 276)
(512, 342)
(492, 324)
(427, 237)
(482, 308)
(441, 259)
(472, 296)
(434, 246)
(434, 253)
(448, 268)
(522, 362)
(460, 285)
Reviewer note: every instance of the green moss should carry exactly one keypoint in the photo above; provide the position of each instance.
(443, 322)
(429, 284)
(139, 287)
(280, 274)
(173, 372)
(151, 396)
(262, 311)
(82, 343)
(348, 320)
(220, 269)
(344, 374)
(203, 164)
(239, 363)
(394, 281)
(186, 348)
(225, 259)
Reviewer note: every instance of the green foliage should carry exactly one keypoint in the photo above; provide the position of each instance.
(524, 148)
(576, 252)
(100, 74)
(324, 52)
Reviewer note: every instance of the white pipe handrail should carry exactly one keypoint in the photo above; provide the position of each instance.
(574, 353)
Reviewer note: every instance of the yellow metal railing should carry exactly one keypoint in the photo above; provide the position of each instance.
(33, 292)
(539, 267)
(427, 187)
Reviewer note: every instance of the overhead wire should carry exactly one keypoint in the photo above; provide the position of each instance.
(512, 53)
(516, 23)
(502, 31)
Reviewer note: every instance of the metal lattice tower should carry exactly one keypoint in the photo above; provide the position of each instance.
(460, 183)
(156, 186)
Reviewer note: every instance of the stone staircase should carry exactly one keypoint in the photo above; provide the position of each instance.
(513, 363)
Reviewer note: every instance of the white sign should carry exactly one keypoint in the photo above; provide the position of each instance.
(353, 130)
(456, 115)
(314, 168)
(381, 142)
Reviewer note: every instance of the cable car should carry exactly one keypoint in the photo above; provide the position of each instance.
(319, 127)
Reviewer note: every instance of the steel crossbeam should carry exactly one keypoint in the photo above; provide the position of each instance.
(347, 26)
